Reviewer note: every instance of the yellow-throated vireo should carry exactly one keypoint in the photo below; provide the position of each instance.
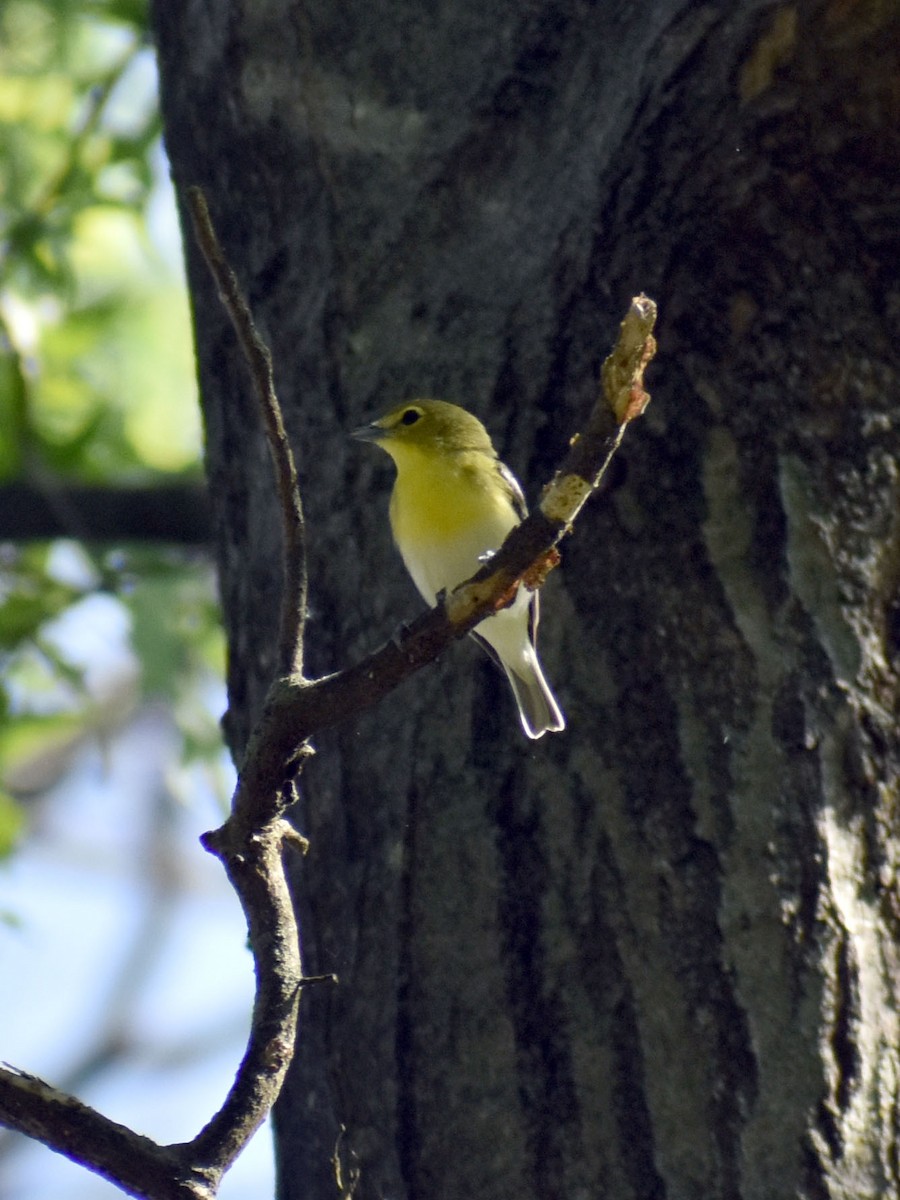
(453, 503)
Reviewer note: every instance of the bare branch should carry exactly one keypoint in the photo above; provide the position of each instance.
(193, 1170)
(135, 1164)
(252, 859)
(44, 507)
(622, 398)
(250, 847)
(259, 362)
(251, 842)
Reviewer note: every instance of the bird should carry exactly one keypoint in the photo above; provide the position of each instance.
(452, 505)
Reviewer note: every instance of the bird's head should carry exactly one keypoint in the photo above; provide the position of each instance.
(430, 425)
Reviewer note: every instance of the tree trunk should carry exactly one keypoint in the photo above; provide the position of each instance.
(655, 955)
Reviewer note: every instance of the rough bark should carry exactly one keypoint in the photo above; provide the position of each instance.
(655, 955)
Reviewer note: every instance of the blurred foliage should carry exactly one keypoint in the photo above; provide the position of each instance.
(96, 385)
(11, 822)
(94, 323)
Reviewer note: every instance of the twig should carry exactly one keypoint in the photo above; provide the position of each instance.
(252, 860)
(135, 1164)
(250, 846)
(622, 397)
(259, 362)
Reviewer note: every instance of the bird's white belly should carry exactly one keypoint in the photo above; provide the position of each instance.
(458, 559)
(452, 560)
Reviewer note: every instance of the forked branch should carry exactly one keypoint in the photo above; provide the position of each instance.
(251, 842)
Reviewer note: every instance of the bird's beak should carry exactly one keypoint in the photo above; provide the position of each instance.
(368, 433)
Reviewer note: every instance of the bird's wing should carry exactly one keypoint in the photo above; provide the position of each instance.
(516, 494)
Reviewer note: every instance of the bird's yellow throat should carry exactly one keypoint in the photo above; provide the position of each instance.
(440, 496)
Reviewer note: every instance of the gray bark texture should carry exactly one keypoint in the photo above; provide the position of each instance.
(655, 956)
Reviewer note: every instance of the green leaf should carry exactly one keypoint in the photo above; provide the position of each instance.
(12, 391)
(24, 611)
(35, 749)
(129, 12)
(12, 823)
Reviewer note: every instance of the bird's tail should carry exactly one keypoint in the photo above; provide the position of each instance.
(538, 710)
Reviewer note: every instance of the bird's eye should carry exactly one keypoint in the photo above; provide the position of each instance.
(410, 416)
